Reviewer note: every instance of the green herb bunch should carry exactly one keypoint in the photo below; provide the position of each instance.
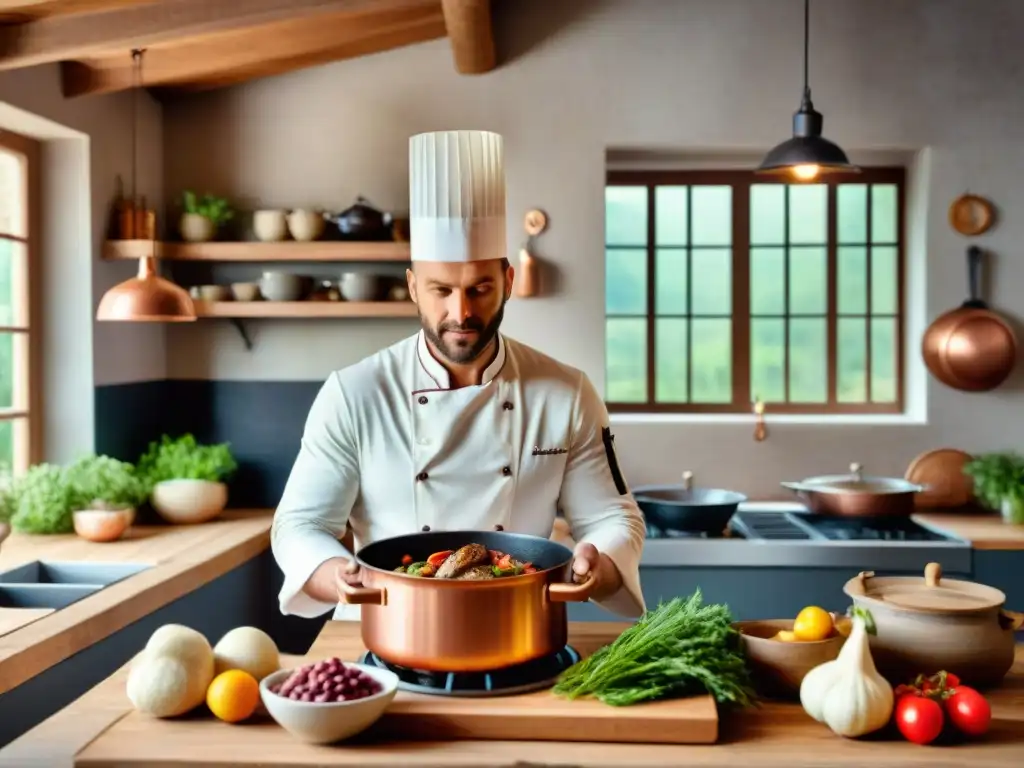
(97, 482)
(682, 648)
(999, 477)
(182, 458)
(41, 501)
(214, 208)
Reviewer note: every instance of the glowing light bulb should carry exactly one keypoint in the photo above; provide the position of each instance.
(805, 172)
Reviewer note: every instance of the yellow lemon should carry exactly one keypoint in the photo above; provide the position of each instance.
(785, 636)
(233, 695)
(812, 623)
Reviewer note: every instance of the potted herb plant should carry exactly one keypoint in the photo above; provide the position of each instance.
(104, 495)
(202, 216)
(999, 483)
(186, 480)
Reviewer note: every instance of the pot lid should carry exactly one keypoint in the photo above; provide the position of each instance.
(931, 594)
(858, 482)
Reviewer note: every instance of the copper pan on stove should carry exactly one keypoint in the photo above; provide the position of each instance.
(970, 348)
(857, 494)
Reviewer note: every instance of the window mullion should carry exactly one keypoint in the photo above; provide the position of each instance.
(831, 303)
(741, 362)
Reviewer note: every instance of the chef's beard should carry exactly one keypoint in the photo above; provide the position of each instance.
(462, 352)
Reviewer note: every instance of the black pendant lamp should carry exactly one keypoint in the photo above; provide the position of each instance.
(807, 154)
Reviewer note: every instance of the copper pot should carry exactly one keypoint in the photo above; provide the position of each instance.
(933, 624)
(449, 625)
(970, 348)
(857, 495)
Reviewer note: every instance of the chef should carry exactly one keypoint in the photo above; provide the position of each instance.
(458, 426)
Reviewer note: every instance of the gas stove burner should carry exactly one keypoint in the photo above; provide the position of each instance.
(519, 678)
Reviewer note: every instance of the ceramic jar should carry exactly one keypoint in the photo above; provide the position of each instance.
(924, 625)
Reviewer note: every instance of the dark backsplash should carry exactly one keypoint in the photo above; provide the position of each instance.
(262, 420)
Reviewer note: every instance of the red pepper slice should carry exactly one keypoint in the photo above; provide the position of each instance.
(505, 563)
(407, 560)
(438, 557)
(529, 569)
(495, 556)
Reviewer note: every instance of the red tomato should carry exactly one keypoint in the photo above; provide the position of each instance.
(919, 719)
(952, 681)
(969, 711)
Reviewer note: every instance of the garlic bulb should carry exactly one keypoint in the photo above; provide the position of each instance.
(848, 694)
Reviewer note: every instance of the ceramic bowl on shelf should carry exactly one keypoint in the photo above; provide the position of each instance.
(327, 722)
(270, 226)
(281, 286)
(245, 291)
(776, 666)
(305, 225)
(214, 293)
(359, 286)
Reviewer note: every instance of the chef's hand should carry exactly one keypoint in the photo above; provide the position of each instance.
(587, 560)
(324, 585)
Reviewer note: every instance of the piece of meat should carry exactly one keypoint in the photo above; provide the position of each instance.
(461, 559)
(477, 573)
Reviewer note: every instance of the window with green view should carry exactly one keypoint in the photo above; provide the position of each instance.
(726, 287)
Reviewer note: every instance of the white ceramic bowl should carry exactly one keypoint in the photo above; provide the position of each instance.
(328, 722)
(189, 501)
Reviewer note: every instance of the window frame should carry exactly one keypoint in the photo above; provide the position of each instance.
(742, 397)
(28, 442)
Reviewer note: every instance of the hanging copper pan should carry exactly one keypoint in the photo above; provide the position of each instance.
(970, 348)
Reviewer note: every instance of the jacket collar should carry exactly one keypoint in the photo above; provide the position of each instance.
(438, 374)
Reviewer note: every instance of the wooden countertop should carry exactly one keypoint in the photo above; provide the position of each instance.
(984, 531)
(101, 729)
(183, 558)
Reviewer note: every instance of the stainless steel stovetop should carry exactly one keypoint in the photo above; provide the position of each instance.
(780, 534)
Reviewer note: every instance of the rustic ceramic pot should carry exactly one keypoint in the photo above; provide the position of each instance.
(196, 229)
(929, 624)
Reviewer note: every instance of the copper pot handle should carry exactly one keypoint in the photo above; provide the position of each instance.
(564, 592)
(351, 595)
(1011, 620)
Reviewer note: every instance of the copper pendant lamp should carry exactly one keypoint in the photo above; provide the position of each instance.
(147, 297)
(808, 153)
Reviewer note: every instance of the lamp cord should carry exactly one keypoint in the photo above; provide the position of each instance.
(806, 99)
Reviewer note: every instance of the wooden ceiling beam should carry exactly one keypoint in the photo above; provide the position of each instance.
(77, 36)
(229, 58)
(472, 35)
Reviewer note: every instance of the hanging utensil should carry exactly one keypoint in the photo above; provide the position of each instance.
(970, 348)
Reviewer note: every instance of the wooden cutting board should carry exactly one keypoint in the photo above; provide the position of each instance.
(144, 742)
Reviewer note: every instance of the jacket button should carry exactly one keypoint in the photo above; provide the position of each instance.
(499, 527)
(507, 405)
(421, 476)
(425, 528)
(423, 400)
(506, 471)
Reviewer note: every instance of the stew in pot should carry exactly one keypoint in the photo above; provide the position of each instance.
(471, 562)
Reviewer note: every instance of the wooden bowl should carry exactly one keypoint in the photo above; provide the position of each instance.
(778, 667)
(101, 525)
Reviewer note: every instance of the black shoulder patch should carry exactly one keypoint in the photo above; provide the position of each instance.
(613, 463)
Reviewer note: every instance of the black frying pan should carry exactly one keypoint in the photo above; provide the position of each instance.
(686, 509)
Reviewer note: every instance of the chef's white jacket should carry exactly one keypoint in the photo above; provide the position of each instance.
(391, 449)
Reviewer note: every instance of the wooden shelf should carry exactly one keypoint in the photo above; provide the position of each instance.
(301, 309)
(288, 250)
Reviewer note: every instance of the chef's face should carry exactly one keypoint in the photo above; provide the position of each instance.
(461, 304)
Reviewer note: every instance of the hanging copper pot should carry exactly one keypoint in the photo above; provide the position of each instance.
(970, 348)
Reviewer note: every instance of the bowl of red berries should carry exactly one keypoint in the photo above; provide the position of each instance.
(328, 700)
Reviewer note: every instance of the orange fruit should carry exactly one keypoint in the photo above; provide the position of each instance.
(233, 695)
(812, 623)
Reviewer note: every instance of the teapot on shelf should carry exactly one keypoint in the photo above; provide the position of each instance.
(362, 221)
